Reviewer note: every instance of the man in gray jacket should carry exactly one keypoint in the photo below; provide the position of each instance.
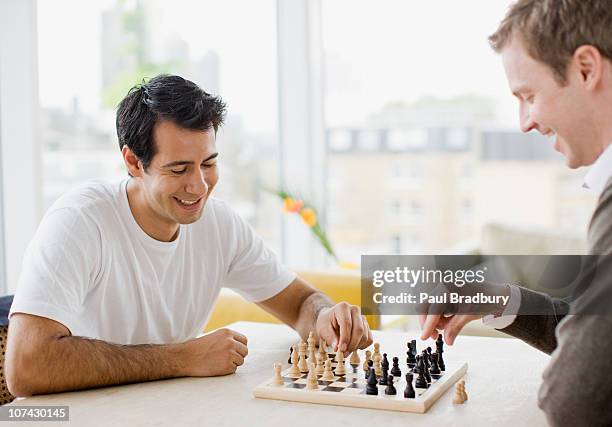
(557, 55)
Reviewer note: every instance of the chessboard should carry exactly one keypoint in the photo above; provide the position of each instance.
(349, 388)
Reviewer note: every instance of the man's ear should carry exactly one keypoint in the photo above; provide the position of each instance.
(589, 63)
(131, 162)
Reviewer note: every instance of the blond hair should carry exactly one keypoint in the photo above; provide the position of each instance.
(552, 30)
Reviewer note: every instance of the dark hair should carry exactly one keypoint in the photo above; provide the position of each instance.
(552, 30)
(164, 97)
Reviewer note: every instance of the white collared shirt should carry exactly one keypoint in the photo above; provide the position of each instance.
(600, 173)
(595, 180)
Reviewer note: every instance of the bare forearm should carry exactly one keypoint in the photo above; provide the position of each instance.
(69, 363)
(309, 311)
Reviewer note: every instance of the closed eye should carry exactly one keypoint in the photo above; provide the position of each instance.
(178, 171)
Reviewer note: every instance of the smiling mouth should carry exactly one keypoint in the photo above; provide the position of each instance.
(188, 204)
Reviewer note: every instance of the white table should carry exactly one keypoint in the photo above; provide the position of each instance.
(502, 383)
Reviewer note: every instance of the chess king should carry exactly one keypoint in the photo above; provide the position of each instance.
(557, 57)
(119, 279)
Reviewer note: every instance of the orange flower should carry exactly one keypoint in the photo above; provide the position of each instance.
(309, 216)
(292, 205)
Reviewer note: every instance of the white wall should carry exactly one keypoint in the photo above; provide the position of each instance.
(19, 132)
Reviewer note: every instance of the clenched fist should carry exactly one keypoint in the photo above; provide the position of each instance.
(217, 353)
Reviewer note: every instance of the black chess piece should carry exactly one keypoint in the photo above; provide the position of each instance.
(414, 349)
(372, 385)
(435, 369)
(425, 357)
(290, 353)
(390, 390)
(409, 391)
(385, 362)
(415, 368)
(410, 360)
(426, 365)
(440, 350)
(395, 370)
(370, 365)
(421, 382)
(385, 374)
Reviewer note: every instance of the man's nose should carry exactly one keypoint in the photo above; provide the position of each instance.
(527, 123)
(197, 184)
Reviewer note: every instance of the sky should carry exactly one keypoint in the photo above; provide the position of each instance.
(377, 51)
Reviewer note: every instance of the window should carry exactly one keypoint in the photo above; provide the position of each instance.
(438, 146)
(87, 65)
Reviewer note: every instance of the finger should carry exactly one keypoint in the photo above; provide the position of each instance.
(237, 359)
(366, 339)
(429, 326)
(239, 337)
(357, 330)
(345, 323)
(241, 349)
(455, 325)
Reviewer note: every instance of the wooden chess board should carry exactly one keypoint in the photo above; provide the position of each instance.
(350, 389)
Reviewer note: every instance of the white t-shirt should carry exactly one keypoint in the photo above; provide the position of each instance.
(92, 268)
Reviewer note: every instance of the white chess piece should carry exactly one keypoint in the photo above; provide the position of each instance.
(294, 371)
(340, 370)
(328, 375)
(278, 379)
(312, 383)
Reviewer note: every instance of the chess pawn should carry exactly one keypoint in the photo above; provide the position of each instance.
(354, 360)
(311, 379)
(328, 375)
(395, 370)
(458, 399)
(311, 341)
(302, 364)
(322, 348)
(409, 392)
(377, 364)
(376, 350)
(278, 379)
(294, 371)
(340, 370)
(368, 357)
(319, 369)
(463, 392)
(390, 390)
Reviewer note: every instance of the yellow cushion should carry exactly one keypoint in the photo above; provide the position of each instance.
(339, 287)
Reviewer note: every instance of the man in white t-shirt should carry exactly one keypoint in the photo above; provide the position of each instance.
(120, 279)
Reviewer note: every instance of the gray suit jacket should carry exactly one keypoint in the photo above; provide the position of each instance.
(577, 384)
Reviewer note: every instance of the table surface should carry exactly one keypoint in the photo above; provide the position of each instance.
(502, 383)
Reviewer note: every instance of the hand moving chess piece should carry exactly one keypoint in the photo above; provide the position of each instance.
(278, 379)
